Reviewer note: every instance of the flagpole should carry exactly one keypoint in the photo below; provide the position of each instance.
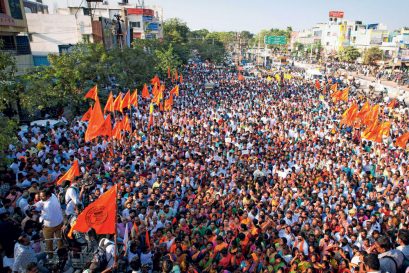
(116, 229)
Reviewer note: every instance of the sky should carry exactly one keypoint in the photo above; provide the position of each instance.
(254, 15)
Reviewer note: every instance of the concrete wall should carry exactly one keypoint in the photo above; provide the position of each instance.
(48, 31)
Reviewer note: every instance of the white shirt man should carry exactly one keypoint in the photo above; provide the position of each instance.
(72, 198)
(51, 212)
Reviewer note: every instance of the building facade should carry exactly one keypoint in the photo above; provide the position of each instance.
(338, 33)
(13, 33)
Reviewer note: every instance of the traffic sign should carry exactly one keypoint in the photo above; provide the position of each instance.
(275, 40)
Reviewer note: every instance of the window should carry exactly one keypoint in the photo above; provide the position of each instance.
(2, 7)
(8, 43)
(87, 12)
(328, 33)
(15, 9)
(135, 24)
(327, 43)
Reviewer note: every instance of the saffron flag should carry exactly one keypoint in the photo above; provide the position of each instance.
(240, 77)
(116, 132)
(176, 75)
(393, 104)
(372, 116)
(92, 93)
(317, 84)
(175, 91)
(168, 72)
(126, 101)
(181, 78)
(169, 103)
(87, 114)
(70, 174)
(118, 103)
(134, 98)
(106, 128)
(344, 95)
(95, 122)
(145, 92)
(349, 116)
(402, 140)
(334, 87)
(155, 80)
(364, 111)
(100, 214)
(109, 106)
(147, 239)
(126, 124)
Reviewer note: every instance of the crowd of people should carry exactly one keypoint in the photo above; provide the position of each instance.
(249, 176)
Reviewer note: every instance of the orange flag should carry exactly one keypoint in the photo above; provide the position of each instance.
(317, 84)
(155, 80)
(118, 103)
(109, 106)
(370, 131)
(344, 95)
(364, 111)
(92, 93)
(70, 174)
(126, 101)
(155, 90)
(134, 98)
(175, 91)
(95, 122)
(334, 87)
(87, 114)
(106, 128)
(145, 92)
(324, 90)
(100, 214)
(349, 115)
(393, 104)
(126, 124)
(176, 75)
(240, 77)
(168, 103)
(168, 72)
(147, 239)
(181, 78)
(402, 140)
(372, 116)
(116, 132)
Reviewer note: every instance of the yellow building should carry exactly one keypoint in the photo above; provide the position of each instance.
(13, 33)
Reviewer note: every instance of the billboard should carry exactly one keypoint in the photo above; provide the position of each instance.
(336, 14)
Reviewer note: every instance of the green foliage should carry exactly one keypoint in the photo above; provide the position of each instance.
(349, 54)
(165, 58)
(8, 83)
(211, 50)
(175, 30)
(372, 55)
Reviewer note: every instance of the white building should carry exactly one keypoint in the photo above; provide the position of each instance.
(66, 23)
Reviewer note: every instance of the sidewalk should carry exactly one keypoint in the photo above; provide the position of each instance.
(384, 82)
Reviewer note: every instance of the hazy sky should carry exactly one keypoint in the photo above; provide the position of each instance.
(254, 15)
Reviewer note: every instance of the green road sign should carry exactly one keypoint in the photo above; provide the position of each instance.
(275, 40)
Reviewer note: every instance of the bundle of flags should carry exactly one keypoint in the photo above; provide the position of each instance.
(340, 95)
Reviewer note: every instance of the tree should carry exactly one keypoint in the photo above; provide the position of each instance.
(165, 58)
(372, 55)
(66, 80)
(349, 54)
(8, 96)
(198, 34)
(175, 31)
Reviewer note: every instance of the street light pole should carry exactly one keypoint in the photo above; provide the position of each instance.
(265, 52)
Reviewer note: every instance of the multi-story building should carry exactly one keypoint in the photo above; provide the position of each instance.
(339, 33)
(13, 33)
